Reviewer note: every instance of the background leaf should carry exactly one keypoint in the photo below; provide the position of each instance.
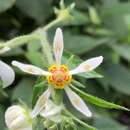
(6, 4)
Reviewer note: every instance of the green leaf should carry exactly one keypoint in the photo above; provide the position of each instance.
(117, 8)
(6, 4)
(115, 13)
(35, 58)
(34, 45)
(122, 50)
(79, 44)
(1, 118)
(38, 90)
(97, 101)
(78, 18)
(38, 124)
(118, 77)
(108, 123)
(23, 90)
(37, 9)
(77, 83)
(73, 61)
(84, 124)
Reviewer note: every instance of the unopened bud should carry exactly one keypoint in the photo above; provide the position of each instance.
(94, 16)
(17, 118)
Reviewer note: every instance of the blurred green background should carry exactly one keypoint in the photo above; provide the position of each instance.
(100, 27)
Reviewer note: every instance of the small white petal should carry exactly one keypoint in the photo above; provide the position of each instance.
(40, 104)
(17, 119)
(3, 50)
(58, 45)
(77, 102)
(88, 65)
(7, 74)
(52, 111)
(31, 69)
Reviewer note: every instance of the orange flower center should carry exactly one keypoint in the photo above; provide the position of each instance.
(60, 76)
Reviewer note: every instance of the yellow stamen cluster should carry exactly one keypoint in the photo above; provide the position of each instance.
(60, 76)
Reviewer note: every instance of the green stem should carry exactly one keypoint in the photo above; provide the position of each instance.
(58, 96)
(79, 121)
(44, 41)
(54, 22)
(21, 40)
(48, 26)
(46, 49)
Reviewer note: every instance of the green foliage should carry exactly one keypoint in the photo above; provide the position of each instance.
(1, 118)
(97, 101)
(37, 8)
(108, 123)
(120, 82)
(86, 35)
(6, 4)
(23, 91)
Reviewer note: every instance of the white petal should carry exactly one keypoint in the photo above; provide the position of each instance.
(7, 74)
(52, 111)
(77, 102)
(31, 69)
(87, 65)
(17, 118)
(58, 45)
(40, 104)
(3, 50)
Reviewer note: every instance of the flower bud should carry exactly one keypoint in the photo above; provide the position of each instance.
(17, 118)
(94, 16)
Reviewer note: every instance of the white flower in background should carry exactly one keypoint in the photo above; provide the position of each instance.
(7, 74)
(59, 76)
(17, 118)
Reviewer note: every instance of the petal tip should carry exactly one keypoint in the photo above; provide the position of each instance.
(59, 32)
(58, 29)
(101, 58)
(14, 63)
(89, 114)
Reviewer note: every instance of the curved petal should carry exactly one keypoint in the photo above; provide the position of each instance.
(31, 69)
(88, 65)
(40, 104)
(52, 111)
(77, 102)
(7, 74)
(58, 45)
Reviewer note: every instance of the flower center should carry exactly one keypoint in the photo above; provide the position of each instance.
(60, 76)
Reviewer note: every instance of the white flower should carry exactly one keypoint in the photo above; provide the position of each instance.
(17, 118)
(47, 108)
(59, 75)
(7, 74)
(52, 111)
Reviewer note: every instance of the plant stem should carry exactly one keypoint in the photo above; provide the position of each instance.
(44, 41)
(79, 121)
(46, 49)
(54, 22)
(58, 97)
(21, 40)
